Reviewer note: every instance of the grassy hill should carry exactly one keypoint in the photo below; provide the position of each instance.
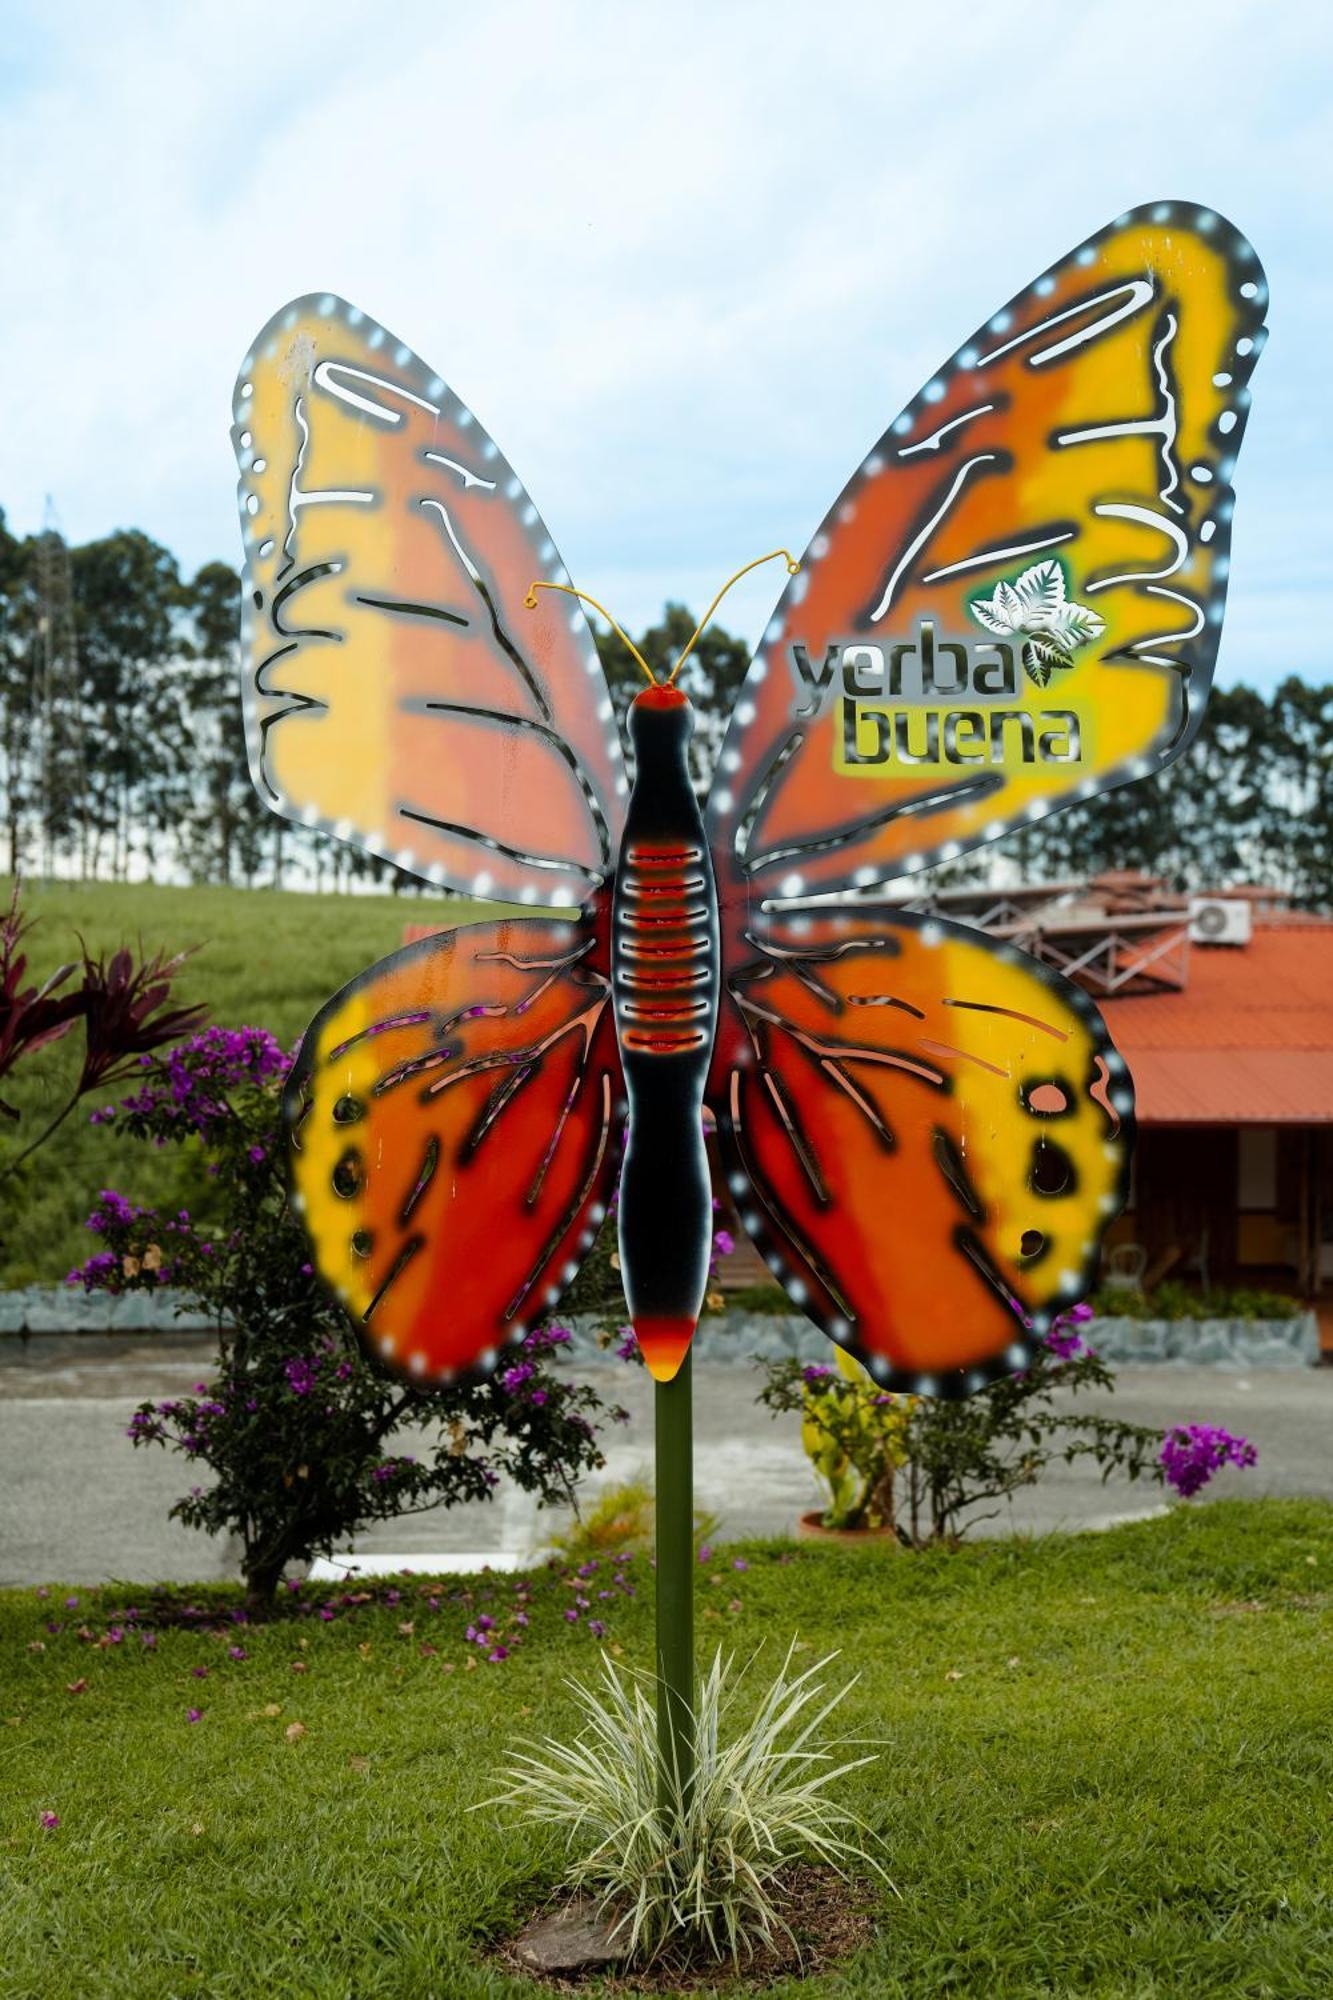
(260, 957)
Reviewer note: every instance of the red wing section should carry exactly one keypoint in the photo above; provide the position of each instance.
(455, 1127)
(926, 1134)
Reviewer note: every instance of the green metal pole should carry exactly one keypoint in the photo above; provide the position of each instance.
(674, 1424)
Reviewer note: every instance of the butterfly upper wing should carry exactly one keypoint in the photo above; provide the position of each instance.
(1015, 603)
(397, 693)
(926, 1135)
(1062, 488)
(454, 1118)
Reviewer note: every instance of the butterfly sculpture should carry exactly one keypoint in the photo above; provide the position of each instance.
(1014, 603)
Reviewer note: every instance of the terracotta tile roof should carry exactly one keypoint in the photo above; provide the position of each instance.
(1248, 1041)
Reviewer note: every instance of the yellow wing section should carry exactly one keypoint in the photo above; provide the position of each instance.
(397, 693)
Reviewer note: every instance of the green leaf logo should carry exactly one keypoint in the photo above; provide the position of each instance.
(1036, 609)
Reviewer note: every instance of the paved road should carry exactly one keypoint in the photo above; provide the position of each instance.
(78, 1504)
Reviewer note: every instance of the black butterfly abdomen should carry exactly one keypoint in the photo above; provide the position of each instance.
(665, 973)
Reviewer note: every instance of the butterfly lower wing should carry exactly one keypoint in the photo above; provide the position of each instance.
(397, 692)
(926, 1134)
(1017, 599)
(454, 1119)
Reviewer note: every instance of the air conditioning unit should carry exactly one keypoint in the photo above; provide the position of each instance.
(1220, 920)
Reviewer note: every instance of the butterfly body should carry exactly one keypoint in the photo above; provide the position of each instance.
(665, 979)
(1014, 603)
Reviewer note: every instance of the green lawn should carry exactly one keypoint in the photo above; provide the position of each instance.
(260, 957)
(1107, 1771)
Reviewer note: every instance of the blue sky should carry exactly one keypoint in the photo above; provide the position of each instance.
(685, 261)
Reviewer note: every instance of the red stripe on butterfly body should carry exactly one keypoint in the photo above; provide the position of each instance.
(663, 1004)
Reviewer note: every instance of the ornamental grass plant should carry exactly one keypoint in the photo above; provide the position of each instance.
(694, 1868)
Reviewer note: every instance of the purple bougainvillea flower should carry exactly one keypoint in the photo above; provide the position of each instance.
(194, 1715)
(50, 1821)
(104, 1264)
(546, 1336)
(1192, 1453)
(301, 1374)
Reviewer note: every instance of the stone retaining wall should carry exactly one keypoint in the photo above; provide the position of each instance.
(731, 1336)
(69, 1309)
(1222, 1343)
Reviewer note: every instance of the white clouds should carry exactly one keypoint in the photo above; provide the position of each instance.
(684, 261)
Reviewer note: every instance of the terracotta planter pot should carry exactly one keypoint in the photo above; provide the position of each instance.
(810, 1528)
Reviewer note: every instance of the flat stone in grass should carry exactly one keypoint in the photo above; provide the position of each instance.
(571, 1940)
(823, 1919)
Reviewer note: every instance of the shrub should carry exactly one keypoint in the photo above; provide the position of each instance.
(855, 1438)
(937, 1461)
(1177, 1301)
(620, 1518)
(302, 1434)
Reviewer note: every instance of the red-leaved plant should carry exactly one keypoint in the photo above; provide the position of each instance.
(122, 1003)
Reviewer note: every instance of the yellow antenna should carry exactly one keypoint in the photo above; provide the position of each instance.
(792, 567)
(568, 590)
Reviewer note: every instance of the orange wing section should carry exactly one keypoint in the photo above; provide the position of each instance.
(397, 693)
(926, 1135)
(455, 1118)
(1016, 601)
